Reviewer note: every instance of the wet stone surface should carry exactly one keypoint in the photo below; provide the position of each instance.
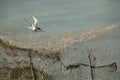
(86, 59)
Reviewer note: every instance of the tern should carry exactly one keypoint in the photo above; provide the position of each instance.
(34, 26)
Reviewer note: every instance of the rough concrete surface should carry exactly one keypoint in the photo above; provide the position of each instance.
(89, 55)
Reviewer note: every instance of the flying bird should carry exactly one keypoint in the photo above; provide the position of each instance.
(34, 26)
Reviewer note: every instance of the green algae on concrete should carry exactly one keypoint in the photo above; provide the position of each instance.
(21, 73)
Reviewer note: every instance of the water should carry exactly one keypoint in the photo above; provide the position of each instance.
(60, 16)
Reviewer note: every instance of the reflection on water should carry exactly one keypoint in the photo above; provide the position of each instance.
(60, 16)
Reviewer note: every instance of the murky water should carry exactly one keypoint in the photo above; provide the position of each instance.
(60, 16)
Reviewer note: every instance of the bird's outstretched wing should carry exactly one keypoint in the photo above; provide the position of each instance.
(35, 21)
(27, 21)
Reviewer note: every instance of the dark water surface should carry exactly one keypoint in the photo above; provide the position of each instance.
(60, 16)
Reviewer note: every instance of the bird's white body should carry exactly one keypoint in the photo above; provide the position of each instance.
(34, 25)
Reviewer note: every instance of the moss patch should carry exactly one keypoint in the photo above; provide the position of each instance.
(22, 73)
